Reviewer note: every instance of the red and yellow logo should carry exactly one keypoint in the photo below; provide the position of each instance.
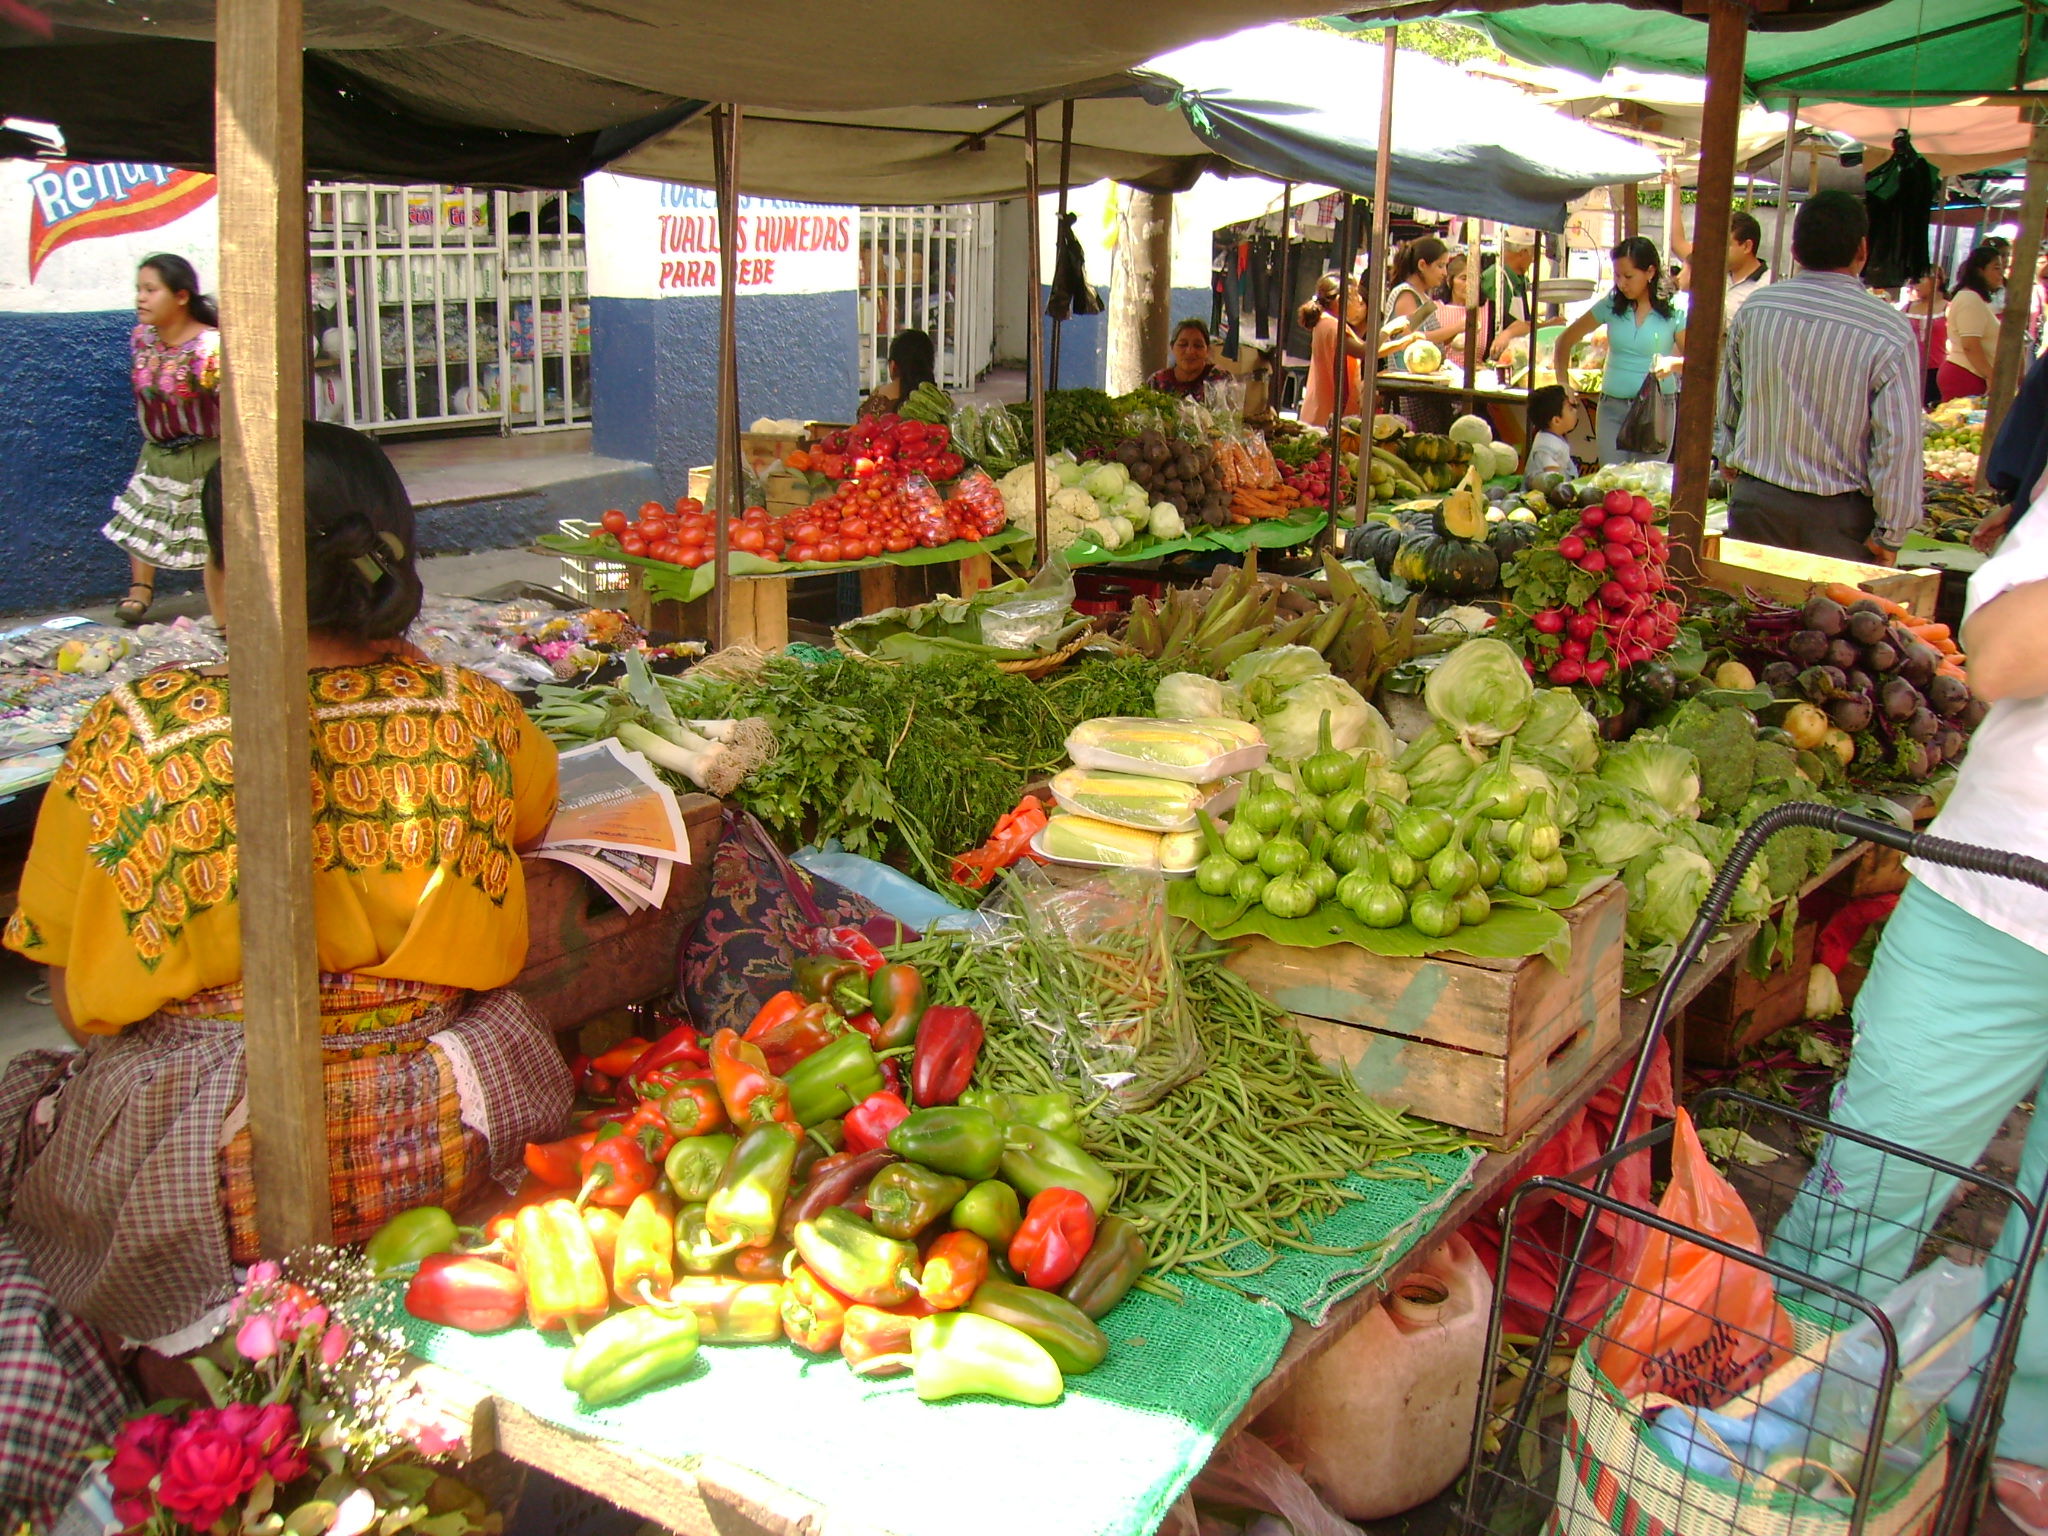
(80, 201)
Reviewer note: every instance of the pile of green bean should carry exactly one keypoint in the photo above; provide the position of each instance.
(1258, 1146)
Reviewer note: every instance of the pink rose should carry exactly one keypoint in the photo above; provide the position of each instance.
(265, 1273)
(334, 1344)
(206, 1473)
(257, 1339)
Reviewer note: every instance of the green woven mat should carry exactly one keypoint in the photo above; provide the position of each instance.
(1110, 1458)
(1392, 1217)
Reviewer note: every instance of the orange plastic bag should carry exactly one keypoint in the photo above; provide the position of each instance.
(1695, 1326)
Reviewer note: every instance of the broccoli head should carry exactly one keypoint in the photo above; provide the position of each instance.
(1724, 741)
(1793, 854)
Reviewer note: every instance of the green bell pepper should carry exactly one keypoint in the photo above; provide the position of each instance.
(1053, 1112)
(992, 1212)
(1112, 1266)
(896, 998)
(1035, 1160)
(828, 979)
(634, 1349)
(957, 1353)
(694, 1164)
(697, 1251)
(1062, 1329)
(854, 1259)
(904, 1199)
(966, 1143)
(827, 1083)
(743, 1210)
(409, 1237)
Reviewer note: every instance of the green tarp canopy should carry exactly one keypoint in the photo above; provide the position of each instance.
(1899, 50)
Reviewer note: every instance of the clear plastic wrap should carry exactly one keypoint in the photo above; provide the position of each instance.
(1091, 962)
(1032, 618)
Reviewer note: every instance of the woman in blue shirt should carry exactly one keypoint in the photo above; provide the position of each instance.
(1642, 326)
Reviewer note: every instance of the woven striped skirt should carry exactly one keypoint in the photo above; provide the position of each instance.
(124, 1169)
(156, 517)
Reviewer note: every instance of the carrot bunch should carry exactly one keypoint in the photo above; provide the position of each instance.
(1249, 505)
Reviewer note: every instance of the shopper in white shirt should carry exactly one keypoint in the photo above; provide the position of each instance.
(1747, 271)
(1952, 1024)
(1972, 325)
(1553, 416)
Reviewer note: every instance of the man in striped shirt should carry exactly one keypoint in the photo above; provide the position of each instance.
(1819, 425)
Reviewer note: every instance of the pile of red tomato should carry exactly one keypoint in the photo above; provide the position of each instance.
(880, 513)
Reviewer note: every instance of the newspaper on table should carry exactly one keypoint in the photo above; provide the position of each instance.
(618, 823)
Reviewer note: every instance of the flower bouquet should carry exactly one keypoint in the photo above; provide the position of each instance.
(312, 1429)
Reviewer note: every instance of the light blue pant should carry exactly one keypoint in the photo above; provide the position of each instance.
(1951, 1034)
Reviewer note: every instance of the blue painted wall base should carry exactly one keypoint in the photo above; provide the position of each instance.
(654, 372)
(499, 522)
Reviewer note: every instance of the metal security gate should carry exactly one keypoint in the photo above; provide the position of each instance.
(443, 306)
(929, 269)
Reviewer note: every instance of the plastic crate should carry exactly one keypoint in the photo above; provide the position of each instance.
(587, 579)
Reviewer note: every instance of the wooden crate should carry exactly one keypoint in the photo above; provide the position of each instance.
(1485, 1045)
(585, 956)
(1735, 1010)
(1790, 575)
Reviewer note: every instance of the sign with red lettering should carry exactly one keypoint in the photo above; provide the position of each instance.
(74, 200)
(657, 240)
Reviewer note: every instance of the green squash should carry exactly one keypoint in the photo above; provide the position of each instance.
(1508, 540)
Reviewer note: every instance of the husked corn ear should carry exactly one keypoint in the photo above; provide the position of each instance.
(1179, 743)
(1087, 840)
(1132, 799)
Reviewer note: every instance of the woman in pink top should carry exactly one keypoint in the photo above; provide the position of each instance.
(1319, 319)
(175, 369)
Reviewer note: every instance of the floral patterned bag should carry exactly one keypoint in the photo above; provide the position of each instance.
(763, 914)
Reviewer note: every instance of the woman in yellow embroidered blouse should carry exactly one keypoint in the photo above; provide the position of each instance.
(123, 1178)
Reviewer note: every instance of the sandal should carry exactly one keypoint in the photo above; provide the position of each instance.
(132, 609)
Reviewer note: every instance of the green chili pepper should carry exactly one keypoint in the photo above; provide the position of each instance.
(1474, 907)
(1421, 832)
(1434, 914)
(957, 1353)
(409, 1237)
(854, 1259)
(1053, 1112)
(904, 1199)
(828, 1083)
(896, 998)
(1247, 884)
(1114, 1262)
(1066, 1332)
(967, 1143)
(694, 1164)
(743, 1210)
(992, 1212)
(697, 1251)
(1241, 840)
(1264, 807)
(1035, 1160)
(635, 1349)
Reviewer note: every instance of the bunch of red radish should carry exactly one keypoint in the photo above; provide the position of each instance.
(1630, 618)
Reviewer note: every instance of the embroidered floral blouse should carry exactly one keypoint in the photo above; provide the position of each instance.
(425, 782)
(177, 389)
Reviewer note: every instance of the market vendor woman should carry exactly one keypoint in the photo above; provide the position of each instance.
(1191, 370)
(913, 361)
(174, 367)
(124, 1176)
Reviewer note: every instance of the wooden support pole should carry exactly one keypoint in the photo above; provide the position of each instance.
(1784, 229)
(260, 152)
(1631, 211)
(1034, 335)
(1140, 289)
(1286, 321)
(1375, 291)
(2021, 291)
(725, 159)
(1727, 47)
(1339, 361)
(1059, 323)
(1471, 317)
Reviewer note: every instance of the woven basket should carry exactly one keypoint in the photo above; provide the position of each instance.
(1035, 667)
(1614, 1481)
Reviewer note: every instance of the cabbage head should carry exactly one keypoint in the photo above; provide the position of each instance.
(1480, 691)
(1561, 731)
(1658, 771)
(1445, 766)
(1292, 729)
(1620, 828)
(1106, 481)
(1066, 470)
(1665, 889)
(1265, 675)
(1190, 696)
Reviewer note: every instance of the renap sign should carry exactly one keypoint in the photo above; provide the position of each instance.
(79, 201)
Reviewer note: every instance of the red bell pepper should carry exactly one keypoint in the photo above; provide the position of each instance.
(868, 1333)
(852, 944)
(868, 1123)
(953, 1271)
(752, 1094)
(620, 1059)
(948, 1043)
(1058, 1231)
(615, 1169)
(813, 1314)
(604, 1223)
(460, 1290)
(761, 1263)
(680, 1047)
(688, 1104)
(556, 1162)
(783, 1005)
(791, 1038)
(892, 1076)
(649, 1126)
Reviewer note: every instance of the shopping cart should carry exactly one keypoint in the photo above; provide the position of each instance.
(1565, 1453)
